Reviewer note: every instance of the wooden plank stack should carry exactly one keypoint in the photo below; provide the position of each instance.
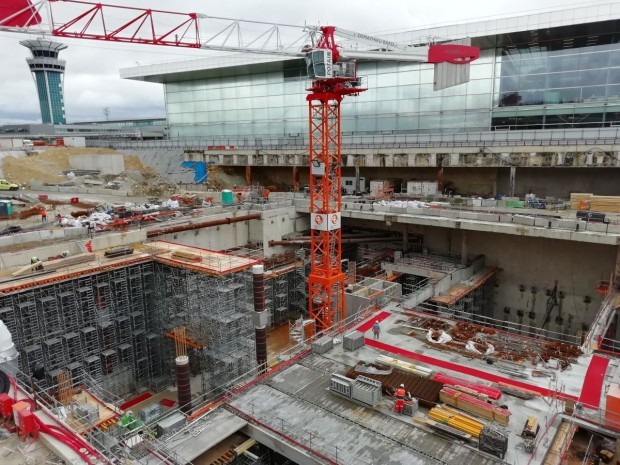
(473, 405)
(577, 198)
(595, 203)
(605, 203)
(457, 420)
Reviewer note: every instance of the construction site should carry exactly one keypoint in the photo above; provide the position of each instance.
(328, 301)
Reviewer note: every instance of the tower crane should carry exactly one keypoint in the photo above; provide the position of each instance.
(331, 69)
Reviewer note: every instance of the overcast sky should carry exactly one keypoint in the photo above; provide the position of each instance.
(92, 80)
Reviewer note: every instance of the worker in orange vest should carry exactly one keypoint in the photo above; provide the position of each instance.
(43, 215)
(399, 402)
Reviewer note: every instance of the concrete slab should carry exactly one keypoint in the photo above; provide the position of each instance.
(564, 224)
(542, 222)
(493, 217)
(468, 215)
(216, 427)
(525, 220)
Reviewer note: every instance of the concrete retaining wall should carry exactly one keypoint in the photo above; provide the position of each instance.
(107, 163)
(118, 240)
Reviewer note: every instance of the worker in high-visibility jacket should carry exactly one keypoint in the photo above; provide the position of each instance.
(399, 399)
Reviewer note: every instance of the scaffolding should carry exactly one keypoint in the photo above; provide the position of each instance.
(91, 325)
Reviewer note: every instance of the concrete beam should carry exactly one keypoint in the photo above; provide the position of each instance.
(508, 227)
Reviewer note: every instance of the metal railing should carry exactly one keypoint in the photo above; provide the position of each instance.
(582, 136)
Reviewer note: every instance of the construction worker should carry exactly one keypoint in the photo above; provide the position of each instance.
(36, 261)
(399, 396)
(43, 215)
(376, 329)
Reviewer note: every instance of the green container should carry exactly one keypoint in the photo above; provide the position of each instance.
(514, 203)
(227, 197)
(6, 208)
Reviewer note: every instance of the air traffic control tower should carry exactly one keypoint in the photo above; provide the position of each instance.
(47, 71)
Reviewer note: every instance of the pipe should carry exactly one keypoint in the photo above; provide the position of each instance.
(349, 236)
(344, 241)
(260, 329)
(205, 224)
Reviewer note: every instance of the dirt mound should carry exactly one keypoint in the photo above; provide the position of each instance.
(223, 177)
(49, 166)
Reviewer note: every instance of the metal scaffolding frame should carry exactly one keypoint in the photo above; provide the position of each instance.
(91, 325)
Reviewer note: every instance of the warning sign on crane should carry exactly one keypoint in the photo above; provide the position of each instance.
(325, 222)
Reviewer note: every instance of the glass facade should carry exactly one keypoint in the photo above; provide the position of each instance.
(570, 77)
(49, 89)
(48, 72)
(558, 77)
(400, 99)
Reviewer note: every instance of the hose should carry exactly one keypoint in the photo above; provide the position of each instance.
(61, 434)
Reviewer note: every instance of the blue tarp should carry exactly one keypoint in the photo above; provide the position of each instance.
(200, 170)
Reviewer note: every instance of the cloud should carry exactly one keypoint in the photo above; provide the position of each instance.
(92, 79)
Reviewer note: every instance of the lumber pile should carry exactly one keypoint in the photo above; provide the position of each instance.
(186, 256)
(460, 383)
(595, 203)
(577, 198)
(605, 203)
(473, 405)
(517, 391)
(456, 420)
(405, 366)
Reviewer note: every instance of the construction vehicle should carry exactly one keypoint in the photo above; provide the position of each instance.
(330, 67)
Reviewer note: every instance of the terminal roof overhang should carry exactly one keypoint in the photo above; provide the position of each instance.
(208, 67)
(485, 34)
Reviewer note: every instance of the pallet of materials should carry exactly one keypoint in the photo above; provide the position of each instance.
(492, 393)
(449, 430)
(473, 405)
(493, 440)
(457, 420)
(605, 203)
(404, 366)
(517, 391)
(578, 201)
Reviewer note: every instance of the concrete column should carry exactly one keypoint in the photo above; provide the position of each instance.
(513, 175)
(296, 178)
(406, 238)
(440, 179)
(357, 178)
(464, 248)
(184, 390)
(248, 175)
(260, 328)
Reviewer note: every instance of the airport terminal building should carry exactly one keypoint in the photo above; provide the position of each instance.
(554, 70)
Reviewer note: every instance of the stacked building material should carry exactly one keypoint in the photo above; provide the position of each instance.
(493, 440)
(605, 203)
(366, 390)
(595, 203)
(473, 405)
(492, 393)
(456, 420)
(576, 200)
(405, 366)
(322, 345)
(353, 340)
(424, 389)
